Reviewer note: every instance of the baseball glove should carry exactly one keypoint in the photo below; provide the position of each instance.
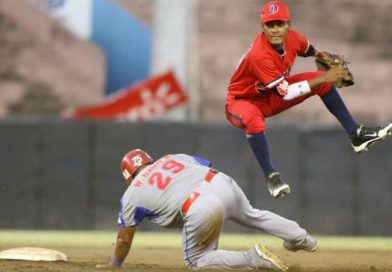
(326, 60)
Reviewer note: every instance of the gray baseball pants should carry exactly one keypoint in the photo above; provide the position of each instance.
(222, 199)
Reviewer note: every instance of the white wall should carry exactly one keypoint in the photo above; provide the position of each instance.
(174, 33)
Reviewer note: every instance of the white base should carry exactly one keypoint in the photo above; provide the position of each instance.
(33, 254)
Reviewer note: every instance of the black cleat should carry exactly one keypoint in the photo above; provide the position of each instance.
(364, 137)
(276, 185)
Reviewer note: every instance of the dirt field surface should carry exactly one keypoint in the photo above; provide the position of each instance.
(169, 259)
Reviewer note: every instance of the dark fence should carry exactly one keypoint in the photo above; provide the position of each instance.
(57, 174)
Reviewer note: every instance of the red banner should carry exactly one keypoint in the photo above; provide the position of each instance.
(144, 101)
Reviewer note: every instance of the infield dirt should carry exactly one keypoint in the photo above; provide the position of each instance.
(169, 259)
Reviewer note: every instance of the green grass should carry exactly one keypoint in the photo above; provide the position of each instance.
(168, 239)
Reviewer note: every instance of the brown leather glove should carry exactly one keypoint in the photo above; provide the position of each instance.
(325, 60)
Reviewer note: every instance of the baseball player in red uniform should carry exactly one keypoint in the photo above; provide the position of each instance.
(183, 191)
(262, 87)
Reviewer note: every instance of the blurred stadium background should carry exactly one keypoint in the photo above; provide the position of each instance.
(59, 56)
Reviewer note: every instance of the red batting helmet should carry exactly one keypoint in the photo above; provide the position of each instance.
(275, 11)
(132, 161)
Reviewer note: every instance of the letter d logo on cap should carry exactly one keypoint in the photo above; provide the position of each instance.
(273, 9)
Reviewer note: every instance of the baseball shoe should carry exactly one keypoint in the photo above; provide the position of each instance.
(276, 185)
(364, 137)
(309, 243)
(265, 259)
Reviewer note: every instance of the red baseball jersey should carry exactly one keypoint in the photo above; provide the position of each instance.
(263, 67)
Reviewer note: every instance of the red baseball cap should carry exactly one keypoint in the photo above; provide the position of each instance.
(274, 11)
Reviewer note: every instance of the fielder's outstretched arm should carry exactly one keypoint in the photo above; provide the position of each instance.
(123, 245)
(289, 92)
(332, 75)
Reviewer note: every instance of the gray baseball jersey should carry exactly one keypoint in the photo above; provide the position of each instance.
(159, 190)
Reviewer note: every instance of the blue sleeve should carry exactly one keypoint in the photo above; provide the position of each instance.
(134, 216)
(202, 161)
